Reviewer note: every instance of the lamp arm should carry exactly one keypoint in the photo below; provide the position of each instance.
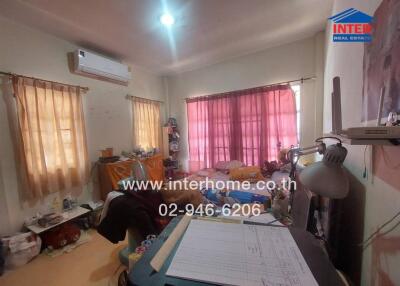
(293, 153)
(316, 150)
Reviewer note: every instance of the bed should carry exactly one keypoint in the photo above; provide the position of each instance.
(224, 184)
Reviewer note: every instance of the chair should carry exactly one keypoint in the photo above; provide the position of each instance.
(138, 173)
(134, 240)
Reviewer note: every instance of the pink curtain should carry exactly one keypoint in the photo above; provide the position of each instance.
(250, 125)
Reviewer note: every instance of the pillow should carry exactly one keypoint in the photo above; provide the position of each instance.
(252, 174)
(221, 165)
(205, 172)
(234, 164)
(228, 165)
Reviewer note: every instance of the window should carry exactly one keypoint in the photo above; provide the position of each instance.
(296, 89)
(52, 135)
(146, 123)
(249, 125)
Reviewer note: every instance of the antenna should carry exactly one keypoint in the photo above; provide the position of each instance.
(381, 98)
(336, 107)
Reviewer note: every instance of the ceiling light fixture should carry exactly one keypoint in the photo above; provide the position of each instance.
(167, 20)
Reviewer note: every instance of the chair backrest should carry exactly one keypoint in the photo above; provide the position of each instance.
(138, 171)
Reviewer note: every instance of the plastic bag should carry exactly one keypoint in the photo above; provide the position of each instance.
(21, 248)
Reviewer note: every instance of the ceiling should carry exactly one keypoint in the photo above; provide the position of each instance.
(205, 32)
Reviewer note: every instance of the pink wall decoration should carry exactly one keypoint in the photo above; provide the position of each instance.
(382, 62)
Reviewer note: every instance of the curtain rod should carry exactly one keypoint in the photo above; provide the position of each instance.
(268, 85)
(85, 89)
(128, 96)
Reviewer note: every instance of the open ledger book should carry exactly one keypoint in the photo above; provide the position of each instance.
(240, 254)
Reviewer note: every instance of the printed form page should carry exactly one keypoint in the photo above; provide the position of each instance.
(240, 254)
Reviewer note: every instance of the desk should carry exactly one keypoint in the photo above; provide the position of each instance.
(68, 215)
(143, 275)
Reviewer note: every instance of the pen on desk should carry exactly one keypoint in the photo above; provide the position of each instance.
(218, 219)
(248, 222)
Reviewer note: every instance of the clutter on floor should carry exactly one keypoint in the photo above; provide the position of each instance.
(91, 264)
(60, 236)
(84, 237)
(21, 248)
(59, 230)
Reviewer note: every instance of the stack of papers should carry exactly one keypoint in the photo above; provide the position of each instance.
(240, 254)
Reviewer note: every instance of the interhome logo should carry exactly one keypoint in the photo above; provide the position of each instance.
(352, 26)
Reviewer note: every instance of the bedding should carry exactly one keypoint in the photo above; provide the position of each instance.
(220, 197)
(182, 197)
(231, 192)
(226, 166)
(251, 173)
(234, 192)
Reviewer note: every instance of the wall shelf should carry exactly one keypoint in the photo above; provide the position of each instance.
(350, 141)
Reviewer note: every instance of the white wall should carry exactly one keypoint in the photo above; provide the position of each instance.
(107, 112)
(382, 200)
(288, 62)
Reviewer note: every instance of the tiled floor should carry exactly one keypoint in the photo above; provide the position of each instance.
(93, 263)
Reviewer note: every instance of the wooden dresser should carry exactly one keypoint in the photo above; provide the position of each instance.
(111, 173)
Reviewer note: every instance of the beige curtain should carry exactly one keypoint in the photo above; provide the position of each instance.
(146, 123)
(52, 134)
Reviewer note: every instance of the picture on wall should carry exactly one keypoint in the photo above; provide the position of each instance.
(381, 67)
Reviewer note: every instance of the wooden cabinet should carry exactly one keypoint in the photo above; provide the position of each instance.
(111, 173)
(154, 166)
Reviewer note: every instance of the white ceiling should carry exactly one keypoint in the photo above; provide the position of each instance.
(206, 31)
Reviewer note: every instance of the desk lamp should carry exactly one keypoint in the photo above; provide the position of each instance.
(327, 177)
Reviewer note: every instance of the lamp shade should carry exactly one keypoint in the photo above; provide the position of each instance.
(328, 177)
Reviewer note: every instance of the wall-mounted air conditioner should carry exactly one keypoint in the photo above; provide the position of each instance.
(95, 66)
